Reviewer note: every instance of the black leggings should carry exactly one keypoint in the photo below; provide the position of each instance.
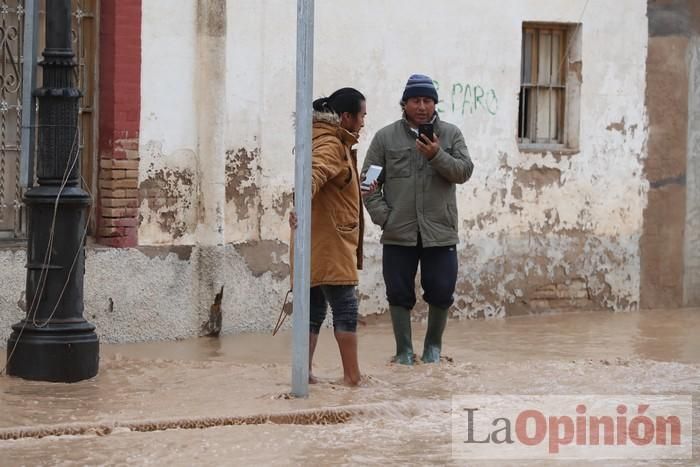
(344, 304)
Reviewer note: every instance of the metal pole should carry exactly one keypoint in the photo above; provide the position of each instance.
(54, 342)
(302, 198)
(31, 26)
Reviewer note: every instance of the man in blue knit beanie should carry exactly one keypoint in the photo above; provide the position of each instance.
(416, 207)
(419, 86)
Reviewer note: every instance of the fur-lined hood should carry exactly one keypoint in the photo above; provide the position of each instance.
(326, 117)
(328, 123)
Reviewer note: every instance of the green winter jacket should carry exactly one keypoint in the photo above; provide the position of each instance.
(417, 195)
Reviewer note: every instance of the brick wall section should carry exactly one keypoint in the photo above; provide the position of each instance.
(569, 295)
(120, 113)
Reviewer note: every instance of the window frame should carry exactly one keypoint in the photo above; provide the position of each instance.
(527, 117)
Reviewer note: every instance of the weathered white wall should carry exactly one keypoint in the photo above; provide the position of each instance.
(169, 121)
(539, 231)
(535, 227)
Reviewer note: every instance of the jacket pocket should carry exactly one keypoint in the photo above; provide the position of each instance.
(398, 163)
(349, 234)
(347, 228)
(442, 214)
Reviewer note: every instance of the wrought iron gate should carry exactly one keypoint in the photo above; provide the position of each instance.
(11, 43)
(12, 37)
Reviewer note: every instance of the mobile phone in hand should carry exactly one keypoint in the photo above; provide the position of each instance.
(426, 129)
(371, 176)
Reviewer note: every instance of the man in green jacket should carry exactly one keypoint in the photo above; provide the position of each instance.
(416, 207)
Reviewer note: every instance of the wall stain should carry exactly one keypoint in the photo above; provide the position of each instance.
(552, 216)
(211, 17)
(672, 18)
(485, 218)
(664, 182)
(265, 256)
(468, 224)
(503, 162)
(169, 193)
(618, 126)
(537, 178)
(499, 197)
(577, 69)
(242, 171)
(283, 203)
(517, 192)
(183, 252)
(530, 279)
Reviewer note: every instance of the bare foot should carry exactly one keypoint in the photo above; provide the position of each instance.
(353, 381)
(312, 379)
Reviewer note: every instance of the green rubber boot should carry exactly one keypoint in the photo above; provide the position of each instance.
(401, 322)
(437, 319)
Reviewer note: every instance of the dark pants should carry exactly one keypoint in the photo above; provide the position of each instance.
(344, 304)
(438, 268)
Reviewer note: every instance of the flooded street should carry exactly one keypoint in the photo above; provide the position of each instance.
(401, 415)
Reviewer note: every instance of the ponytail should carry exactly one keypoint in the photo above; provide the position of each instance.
(321, 105)
(343, 100)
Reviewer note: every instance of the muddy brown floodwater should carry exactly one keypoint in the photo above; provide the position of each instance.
(400, 416)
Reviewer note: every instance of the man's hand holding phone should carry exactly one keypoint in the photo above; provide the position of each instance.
(427, 143)
(367, 190)
(370, 182)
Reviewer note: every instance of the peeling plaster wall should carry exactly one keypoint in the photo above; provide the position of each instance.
(169, 122)
(538, 231)
(530, 222)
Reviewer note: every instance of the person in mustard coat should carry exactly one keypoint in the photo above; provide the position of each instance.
(337, 224)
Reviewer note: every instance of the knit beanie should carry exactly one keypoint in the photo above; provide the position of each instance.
(420, 86)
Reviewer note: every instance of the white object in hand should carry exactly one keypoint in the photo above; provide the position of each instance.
(372, 175)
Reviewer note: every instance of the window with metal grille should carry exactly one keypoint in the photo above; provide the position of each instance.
(544, 91)
(13, 28)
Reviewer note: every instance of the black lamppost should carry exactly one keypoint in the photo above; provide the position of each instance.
(54, 342)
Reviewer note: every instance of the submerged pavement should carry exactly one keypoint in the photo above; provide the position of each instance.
(136, 410)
